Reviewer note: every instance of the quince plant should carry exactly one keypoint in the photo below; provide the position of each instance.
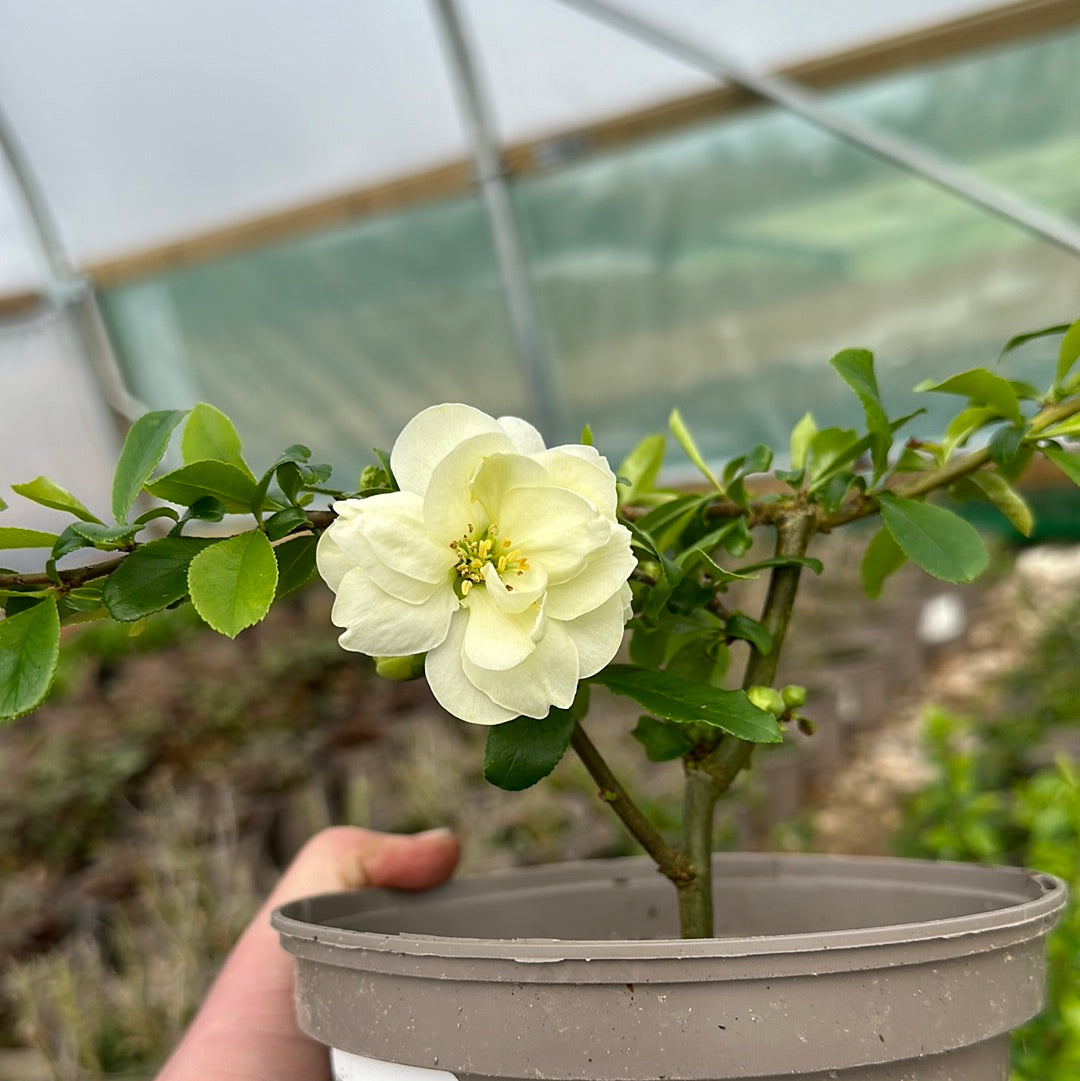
(507, 572)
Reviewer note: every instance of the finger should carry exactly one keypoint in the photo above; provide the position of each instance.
(350, 858)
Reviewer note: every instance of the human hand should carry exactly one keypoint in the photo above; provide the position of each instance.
(246, 1029)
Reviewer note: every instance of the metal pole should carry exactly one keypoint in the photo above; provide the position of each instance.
(66, 288)
(506, 233)
(62, 279)
(893, 148)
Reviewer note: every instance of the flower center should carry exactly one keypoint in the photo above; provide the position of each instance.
(476, 550)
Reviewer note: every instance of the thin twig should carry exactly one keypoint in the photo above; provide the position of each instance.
(669, 860)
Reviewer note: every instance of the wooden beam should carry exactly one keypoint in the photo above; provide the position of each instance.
(969, 34)
(19, 305)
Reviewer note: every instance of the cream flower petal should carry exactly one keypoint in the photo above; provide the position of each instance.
(495, 639)
(604, 574)
(585, 471)
(378, 624)
(553, 526)
(513, 592)
(598, 634)
(332, 563)
(498, 474)
(548, 677)
(449, 507)
(524, 437)
(430, 436)
(404, 544)
(450, 686)
(385, 535)
(397, 584)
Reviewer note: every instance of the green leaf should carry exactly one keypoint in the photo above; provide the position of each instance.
(29, 651)
(750, 630)
(830, 450)
(153, 577)
(1006, 498)
(965, 424)
(701, 658)
(232, 583)
(982, 387)
(738, 469)
(155, 513)
(14, 537)
(144, 447)
(586, 439)
(23, 600)
(662, 742)
(209, 436)
(285, 522)
(881, 558)
(690, 448)
(704, 545)
(229, 484)
(809, 562)
(640, 468)
(675, 699)
(290, 480)
(48, 493)
(935, 539)
(206, 508)
(104, 537)
(1023, 339)
(27, 593)
(801, 436)
(1005, 444)
(296, 563)
(523, 751)
(666, 523)
(1069, 464)
(1069, 352)
(84, 598)
(70, 541)
(856, 368)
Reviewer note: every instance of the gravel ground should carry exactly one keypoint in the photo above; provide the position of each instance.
(860, 809)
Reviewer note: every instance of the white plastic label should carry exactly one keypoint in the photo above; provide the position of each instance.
(349, 1067)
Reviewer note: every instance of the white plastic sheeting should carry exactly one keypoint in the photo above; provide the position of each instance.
(149, 122)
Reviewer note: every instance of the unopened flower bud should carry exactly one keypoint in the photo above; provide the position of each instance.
(794, 696)
(400, 669)
(768, 699)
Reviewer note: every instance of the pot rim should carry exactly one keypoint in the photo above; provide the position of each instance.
(1018, 905)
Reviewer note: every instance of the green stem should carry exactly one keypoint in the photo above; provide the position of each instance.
(669, 860)
(793, 532)
(710, 777)
(695, 893)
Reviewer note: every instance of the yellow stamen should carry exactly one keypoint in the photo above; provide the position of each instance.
(476, 552)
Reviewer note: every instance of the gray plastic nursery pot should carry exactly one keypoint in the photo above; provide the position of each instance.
(849, 968)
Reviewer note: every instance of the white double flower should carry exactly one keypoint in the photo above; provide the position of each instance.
(498, 558)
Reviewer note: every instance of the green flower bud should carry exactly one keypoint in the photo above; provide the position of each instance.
(794, 696)
(400, 669)
(768, 699)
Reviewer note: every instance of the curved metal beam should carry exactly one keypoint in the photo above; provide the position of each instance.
(892, 148)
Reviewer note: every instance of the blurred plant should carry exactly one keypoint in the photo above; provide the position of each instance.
(148, 961)
(996, 800)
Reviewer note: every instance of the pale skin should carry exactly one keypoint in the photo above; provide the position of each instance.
(245, 1029)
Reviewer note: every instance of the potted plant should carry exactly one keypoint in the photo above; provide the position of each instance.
(507, 573)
